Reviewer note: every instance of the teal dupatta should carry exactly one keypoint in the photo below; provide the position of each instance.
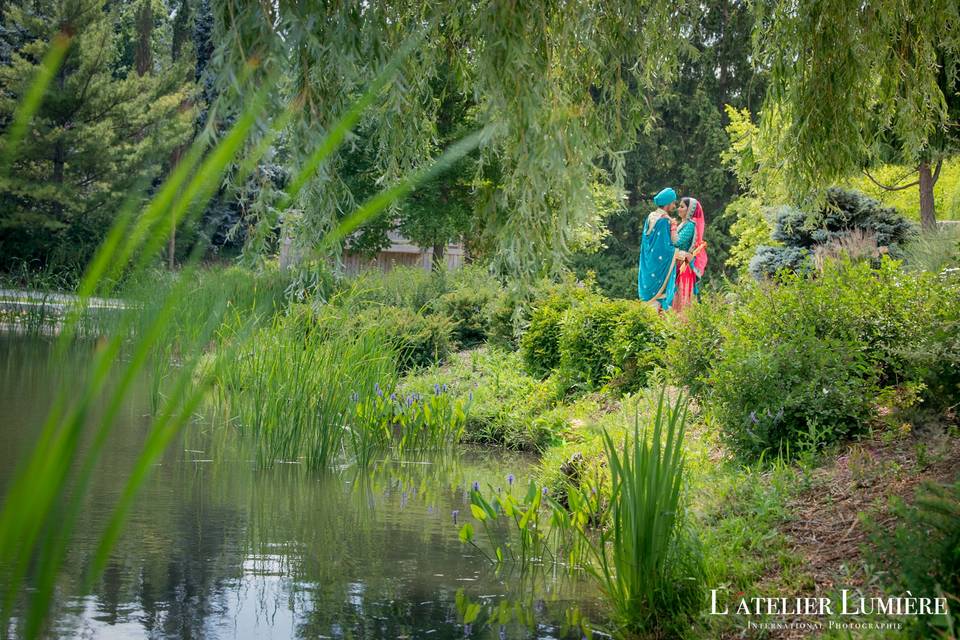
(685, 235)
(656, 261)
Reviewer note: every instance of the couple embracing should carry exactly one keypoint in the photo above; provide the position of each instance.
(673, 254)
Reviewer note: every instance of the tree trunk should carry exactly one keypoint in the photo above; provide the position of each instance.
(438, 261)
(171, 248)
(143, 54)
(928, 215)
(59, 161)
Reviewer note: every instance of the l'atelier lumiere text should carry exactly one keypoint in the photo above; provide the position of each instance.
(850, 605)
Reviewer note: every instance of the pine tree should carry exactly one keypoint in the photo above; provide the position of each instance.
(100, 130)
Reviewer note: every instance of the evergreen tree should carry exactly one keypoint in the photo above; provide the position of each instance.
(100, 130)
(846, 215)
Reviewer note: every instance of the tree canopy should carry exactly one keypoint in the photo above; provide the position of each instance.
(564, 89)
(854, 84)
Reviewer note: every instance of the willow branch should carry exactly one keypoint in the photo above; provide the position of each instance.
(897, 188)
(936, 172)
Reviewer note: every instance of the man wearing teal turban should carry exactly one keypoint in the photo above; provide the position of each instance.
(666, 200)
(657, 250)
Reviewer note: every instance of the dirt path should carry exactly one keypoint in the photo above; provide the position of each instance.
(827, 534)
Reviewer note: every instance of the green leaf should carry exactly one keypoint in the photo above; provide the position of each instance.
(466, 532)
(473, 611)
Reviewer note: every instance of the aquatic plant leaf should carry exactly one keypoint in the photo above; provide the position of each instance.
(478, 512)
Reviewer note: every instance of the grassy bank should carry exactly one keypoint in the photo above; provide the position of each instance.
(802, 394)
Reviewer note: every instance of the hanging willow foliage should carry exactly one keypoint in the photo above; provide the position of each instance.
(854, 82)
(562, 88)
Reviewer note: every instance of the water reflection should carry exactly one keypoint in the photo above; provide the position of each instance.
(216, 547)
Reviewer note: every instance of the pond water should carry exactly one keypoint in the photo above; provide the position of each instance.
(217, 548)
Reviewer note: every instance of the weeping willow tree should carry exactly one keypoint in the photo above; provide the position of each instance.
(855, 83)
(561, 90)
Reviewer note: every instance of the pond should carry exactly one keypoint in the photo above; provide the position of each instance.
(219, 548)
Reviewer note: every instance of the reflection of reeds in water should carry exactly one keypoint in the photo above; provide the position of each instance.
(36, 521)
(397, 513)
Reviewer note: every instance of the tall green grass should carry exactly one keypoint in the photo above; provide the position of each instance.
(646, 562)
(934, 250)
(293, 394)
(41, 503)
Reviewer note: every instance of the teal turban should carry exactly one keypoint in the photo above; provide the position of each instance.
(665, 197)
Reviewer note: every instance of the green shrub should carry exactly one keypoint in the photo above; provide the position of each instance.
(905, 322)
(922, 553)
(506, 404)
(636, 346)
(510, 313)
(420, 340)
(693, 343)
(586, 332)
(798, 362)
(933, 355)
(412, 288)
(469, 309)
(540, 344)
(793, 393)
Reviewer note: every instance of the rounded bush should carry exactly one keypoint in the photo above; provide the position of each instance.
(420, 340)
(470, 310)
(795, 393)
(585, 333)
(636, 345)
(540, 343)
(798, 363)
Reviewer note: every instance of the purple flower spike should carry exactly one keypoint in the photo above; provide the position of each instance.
(544, 492)
(444, 387)
(377, 388)
(393, 397)
(510, 479)
(456, 512)
(354, 396)
(753, 417)
(476, 485)
(436, 389)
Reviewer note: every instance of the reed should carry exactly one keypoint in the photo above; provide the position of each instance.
(292, 393)
(412, 423)
(646, 562)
